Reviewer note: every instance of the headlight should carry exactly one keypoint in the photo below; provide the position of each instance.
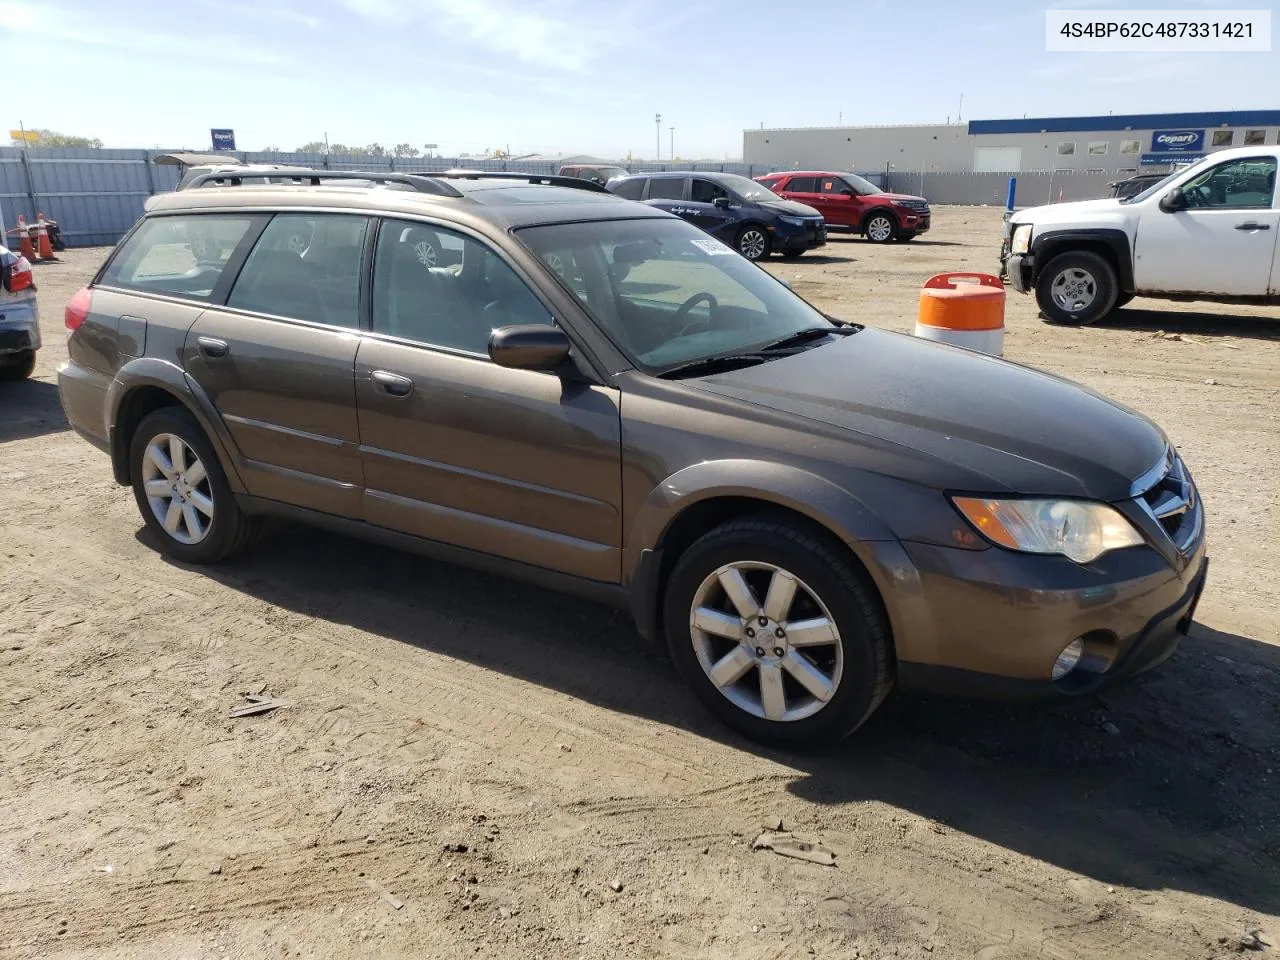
(1079, 531)
(1021, 242)
(791, 221)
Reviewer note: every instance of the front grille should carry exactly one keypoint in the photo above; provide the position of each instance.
(919, 206)
(1174, 504)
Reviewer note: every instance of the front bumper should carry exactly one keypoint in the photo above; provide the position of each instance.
(19, 324)
(914, 223)
(1019, 269)
(798, 238)
(992, 622)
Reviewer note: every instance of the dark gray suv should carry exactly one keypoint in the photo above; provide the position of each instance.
(596, 396)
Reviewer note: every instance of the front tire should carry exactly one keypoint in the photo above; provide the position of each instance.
(18, 366)
(1076, 288)
(753, 242)
(778, 633)
(880, 227)
(182, 491)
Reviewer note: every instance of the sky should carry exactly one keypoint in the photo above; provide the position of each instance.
(576, 76)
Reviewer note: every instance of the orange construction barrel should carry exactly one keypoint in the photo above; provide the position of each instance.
(965, 314)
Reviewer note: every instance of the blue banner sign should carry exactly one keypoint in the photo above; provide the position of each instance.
(1177, 141)
(223, 139)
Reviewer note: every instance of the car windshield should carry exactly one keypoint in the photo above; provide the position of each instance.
(864, 187)
(1159, 185)
(610, 173)
(666, 293)
(746, 189)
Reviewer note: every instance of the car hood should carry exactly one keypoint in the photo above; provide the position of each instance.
(978, 423)
(1079, 211)
(899, 196)
(791, 208)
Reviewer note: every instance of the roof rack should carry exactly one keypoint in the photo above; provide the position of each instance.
(551, 180)
(422, 184)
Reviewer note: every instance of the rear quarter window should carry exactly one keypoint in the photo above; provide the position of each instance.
(631, 189)
(181, 256)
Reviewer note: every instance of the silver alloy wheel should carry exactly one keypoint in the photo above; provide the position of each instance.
(752, 244)
(779, 659)
(177, 488)
(879, 229)
(425, 251)
(1074, 289)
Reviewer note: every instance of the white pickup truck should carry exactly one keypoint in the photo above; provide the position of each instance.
(1206, 232)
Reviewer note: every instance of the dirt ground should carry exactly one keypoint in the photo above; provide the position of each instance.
(471, 767)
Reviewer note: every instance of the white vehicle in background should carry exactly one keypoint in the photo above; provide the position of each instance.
(1206, 232)
(19, 318)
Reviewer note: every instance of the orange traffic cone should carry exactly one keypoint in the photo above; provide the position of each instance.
(45, 248)
(24, 239)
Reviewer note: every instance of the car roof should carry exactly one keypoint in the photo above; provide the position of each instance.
(672, 174)
(508, 204)
(808, 173)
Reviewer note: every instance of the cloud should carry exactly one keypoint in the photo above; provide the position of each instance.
(568, 37)
(54, 23)
(263, 12)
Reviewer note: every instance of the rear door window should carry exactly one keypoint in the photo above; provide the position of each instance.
(179, 256)
(801, 185)
(666, 188)
(632, 189)
(306, 267)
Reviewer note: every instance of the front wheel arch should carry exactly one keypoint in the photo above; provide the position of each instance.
(887, 213)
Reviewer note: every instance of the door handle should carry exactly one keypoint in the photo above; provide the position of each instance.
(391, 384)
(1253, 225)
(212, 347)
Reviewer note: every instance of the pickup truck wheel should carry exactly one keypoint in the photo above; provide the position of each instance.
(17, 366)
(777, 632)
(1122, 299)
(880, 227)
(1076, 288)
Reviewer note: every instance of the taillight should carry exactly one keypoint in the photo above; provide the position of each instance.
(18, 276)
(77, 308)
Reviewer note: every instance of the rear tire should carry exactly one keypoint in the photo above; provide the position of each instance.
(753, 242)
(819, 681)
(1077, 288)
(188, 506)
(880, 227)
(17, 366)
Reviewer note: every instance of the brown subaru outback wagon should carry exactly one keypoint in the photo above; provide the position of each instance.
(535, 377)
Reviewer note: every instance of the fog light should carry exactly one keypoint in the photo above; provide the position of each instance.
(1068, 658)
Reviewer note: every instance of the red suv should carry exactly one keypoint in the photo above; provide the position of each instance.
(848, 202)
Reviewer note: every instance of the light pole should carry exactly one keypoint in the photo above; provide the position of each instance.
(673, 143)
(657, 136)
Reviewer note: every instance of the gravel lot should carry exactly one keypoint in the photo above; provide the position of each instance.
(471, 767)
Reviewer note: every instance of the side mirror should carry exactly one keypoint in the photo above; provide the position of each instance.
(1173, 201)
(722, 202)
(529, 346)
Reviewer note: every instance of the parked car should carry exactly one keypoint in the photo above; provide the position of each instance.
(596, 173)
(848, 202)
(808, 511)
(1131, 186)
(1207, 231)
(745, 215)
(19, 317)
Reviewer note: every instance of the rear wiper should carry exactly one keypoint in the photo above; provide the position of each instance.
(729, 361)
(804, 336)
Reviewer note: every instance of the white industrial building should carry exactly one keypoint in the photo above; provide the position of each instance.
(1114, 145)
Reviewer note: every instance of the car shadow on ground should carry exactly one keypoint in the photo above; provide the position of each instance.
(814, 258)
(1195, 324)
(29, 408)
(1166, 782)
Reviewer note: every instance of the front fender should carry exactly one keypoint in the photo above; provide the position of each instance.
(822, 501)
(169, 377)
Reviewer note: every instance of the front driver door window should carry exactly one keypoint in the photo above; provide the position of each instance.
(515, 463)
(1224, 242)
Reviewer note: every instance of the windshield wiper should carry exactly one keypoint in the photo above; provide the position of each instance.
(804, 336)
(720, 364)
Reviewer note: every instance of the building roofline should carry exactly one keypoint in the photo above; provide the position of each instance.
(1129, 121)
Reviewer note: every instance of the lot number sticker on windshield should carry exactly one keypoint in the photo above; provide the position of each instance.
(713, 247)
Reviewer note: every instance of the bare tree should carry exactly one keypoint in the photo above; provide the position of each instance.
(405, 150)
